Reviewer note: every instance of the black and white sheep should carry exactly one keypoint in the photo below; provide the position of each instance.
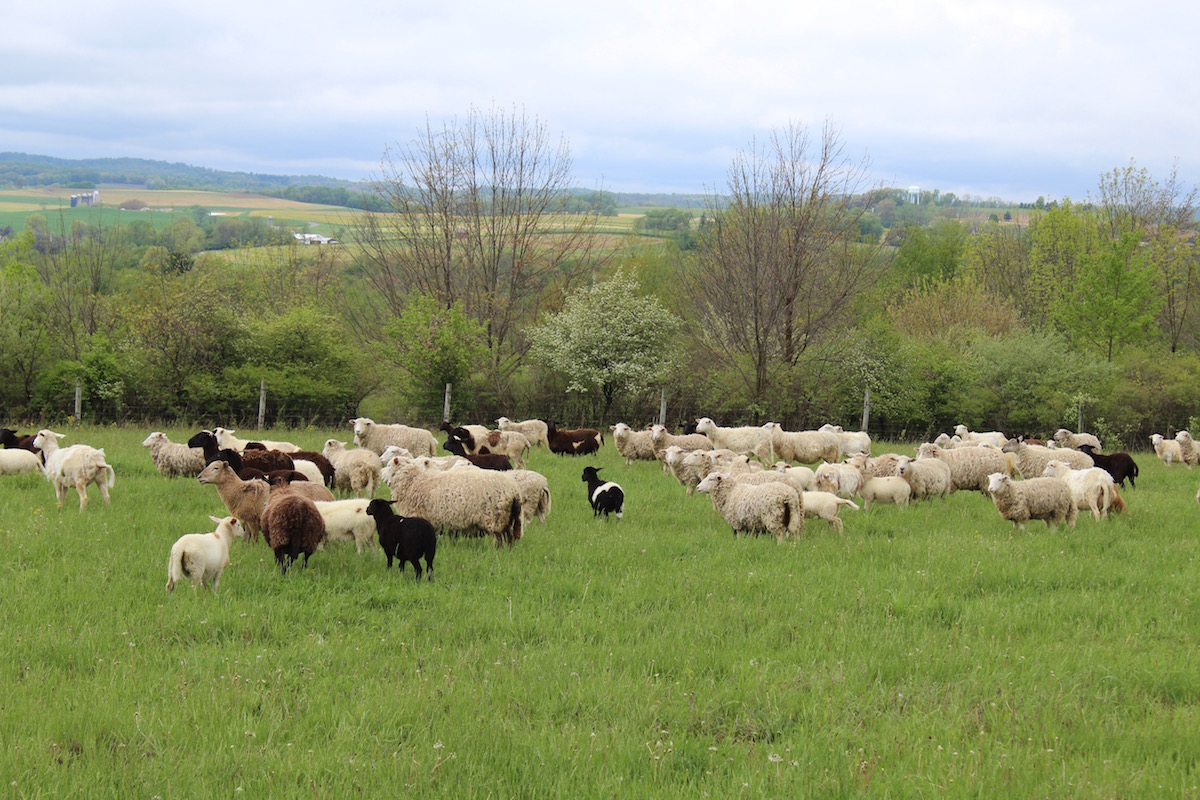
(404, 538)
(604, 496)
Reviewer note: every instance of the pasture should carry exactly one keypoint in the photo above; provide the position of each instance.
(929, 652)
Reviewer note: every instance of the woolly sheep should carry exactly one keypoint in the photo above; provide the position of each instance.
(1187, 448)
(1168, 450)
(243, 499)
(888, 489)
(803, 478)
(689, 468)
(1047, 499)
(375, 437)
(225, 438)
(347, 521)
(1091, 489)
(660, 439)
(77, 465)
(1119, 465)
(1074, 440)
(746, 439)
(968, 436)
(852, 442)
(788, 477)
(535, 494)
(532, 429)
(807, 447)
(19, 462)
(572, 442)
(292, 526)
(824, 505)
(969, 466)
(313, 490)
(202, 557)
(882, 466)
(472, 501)
(1033, 458)
(840, 479)
(355, 471)
(926, 477)
(633, 445)
(748, 508)
(404, 538)
(173, 459)
(513, 444)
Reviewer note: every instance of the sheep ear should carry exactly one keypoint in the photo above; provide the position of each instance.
(216, 519)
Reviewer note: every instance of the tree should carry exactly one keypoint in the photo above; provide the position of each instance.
(476, 221)
(23, 335)
(433, 346)
(608, 337)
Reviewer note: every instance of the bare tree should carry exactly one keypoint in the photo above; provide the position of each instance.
(780, 263)
(477, 219)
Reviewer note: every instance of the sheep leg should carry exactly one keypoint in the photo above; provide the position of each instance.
(81, 488)
(281, 559)
(416, 566)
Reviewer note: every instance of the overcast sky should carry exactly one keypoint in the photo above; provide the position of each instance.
(1015, 99)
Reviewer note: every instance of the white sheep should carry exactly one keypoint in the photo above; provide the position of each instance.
(19, 462)
(927, 477)
(172, 459)
(466, 499)
(1092, 489)
(661, 439)
(1075, 440)
(202, 557)
(347, 521)
(748, 508)
(633, 445)
(1047, 499)
(824, 505)
(967, 436)
(1187, 448)
(535, 430)
(689, 468)
(226, 440)
(1033, 458)
(513, 444)
(807, 447)
(77, 465)
(881, 466)
(841, 479)
(852, 441)
(802, 477)
(1168, 450)
(746, 439)
(376, 437)
(356, 471)
(888, 489)
(969, 466)
(535, 494)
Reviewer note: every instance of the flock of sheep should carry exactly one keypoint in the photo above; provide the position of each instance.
(758, 478)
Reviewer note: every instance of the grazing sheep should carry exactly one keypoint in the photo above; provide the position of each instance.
(888, 489)
(969, 466)
(824, 505)
(1187, 448)
(494, 461)
(535, 494)
(19, 462)
(292, 525)
(469, 500)
(513, 444)
(243, 499)
(605, 497)
(376, 437)
(840, 479)
(1032, 458)
(760, 477)
(749, 508)
(576, 442)
(534, 430)
(262, 460)
(660, 440)
(748, 440)
(226, 439)
(404, 538)
(202, 557)
(633, 445)
(852, 442)
(313, 490)
(172, 459)
(1168, 450)
(803, 478)
(689, 468)
(1075, 440)
(967, 436)
(926, 477)
(355, 471)
(1047, 499)
(1119, 465)
(807, 447)
(882, 466)
(77, 465)
(1092, 488)
(347, 521)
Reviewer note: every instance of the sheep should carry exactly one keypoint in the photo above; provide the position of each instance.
(852, 442)
(605, 497)
(225, 438)
(746, 439)
(375, 437)
(347, 521)
(803, 478)
(507, 443)
(689, 468)
(1187, 448)
(292, 525)
(473, 501)
(1119, 465)
(243, 499)
(750, 508)
(807, 447)
(172, 459)
(1168, 450)
(824, 505)
(1032, 458)
(576, 442)
(883, 466)
(20, 462)
(759, 477)
(926, 477)
(534, 430)
(262, 460)
(468, 434)
(202, 557)
(1073, 440)
(77, 465)
(660, 440)
(313, 490)
(840, 479)
(301, 458)
(633, 445)
(10, 440)
(535, 494)
(404, 538)
(1047, 499)
(969, 466)
(888, 489)
(968, 436)
(355, 471)
(1091, 489)
(496, 461)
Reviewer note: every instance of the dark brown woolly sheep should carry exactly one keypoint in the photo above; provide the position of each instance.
(292, 525)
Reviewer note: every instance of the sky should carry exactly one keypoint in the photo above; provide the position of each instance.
(1014, 99)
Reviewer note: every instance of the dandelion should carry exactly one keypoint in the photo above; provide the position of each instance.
(775, 758)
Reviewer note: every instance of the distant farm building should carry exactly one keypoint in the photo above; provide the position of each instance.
(88, 199)
(314, 238)
(914, 194)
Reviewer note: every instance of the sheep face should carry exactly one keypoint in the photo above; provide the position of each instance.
(996, 480)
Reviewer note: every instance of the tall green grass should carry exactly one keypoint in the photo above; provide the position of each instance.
(928, 652)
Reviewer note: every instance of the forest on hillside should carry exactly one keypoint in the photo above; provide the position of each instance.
(793, 294)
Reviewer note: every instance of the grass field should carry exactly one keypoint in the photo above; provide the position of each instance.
(930, 652)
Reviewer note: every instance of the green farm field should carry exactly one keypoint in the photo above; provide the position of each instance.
(929, 652)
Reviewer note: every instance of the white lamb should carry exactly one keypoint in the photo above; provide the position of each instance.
(376, 437)
(77, 465)
(202, 557)
(357, 471)
(347, 521)
(888, 489)
(1092, 488)
(19, 462)
(824, 505)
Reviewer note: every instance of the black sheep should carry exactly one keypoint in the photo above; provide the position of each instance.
(1119, 465)
(497, 461)
(404, 538)
(292, 525)
(606, 497)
